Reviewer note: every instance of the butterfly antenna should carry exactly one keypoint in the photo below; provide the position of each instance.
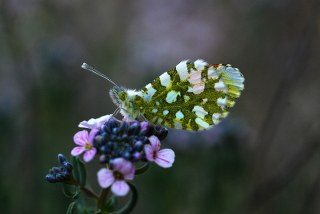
(95, 71)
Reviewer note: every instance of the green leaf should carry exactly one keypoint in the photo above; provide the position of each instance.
(79, 171)
(71, 208)
(131, 203)
(70, 191)
(142, 169)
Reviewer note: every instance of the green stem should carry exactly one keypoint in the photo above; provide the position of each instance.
(85, 189)
(102, 199)
(89, 192)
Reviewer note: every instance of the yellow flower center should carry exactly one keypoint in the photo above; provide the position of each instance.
(88, 146)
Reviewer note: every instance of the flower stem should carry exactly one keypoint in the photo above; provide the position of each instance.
(102, 199)
(85, 189)
(89, 192)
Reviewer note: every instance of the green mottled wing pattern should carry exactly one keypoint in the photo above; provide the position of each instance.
(192, 96)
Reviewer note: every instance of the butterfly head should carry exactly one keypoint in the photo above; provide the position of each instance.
(118, 95)
(124, 98)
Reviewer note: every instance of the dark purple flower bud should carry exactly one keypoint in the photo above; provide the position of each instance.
(104, 159)
(62, 173)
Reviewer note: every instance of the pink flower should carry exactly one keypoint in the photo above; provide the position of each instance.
(122, 170)
(95, 123)
(84, 140)
(163, 157)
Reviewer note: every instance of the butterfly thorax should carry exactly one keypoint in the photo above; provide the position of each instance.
(125, 99)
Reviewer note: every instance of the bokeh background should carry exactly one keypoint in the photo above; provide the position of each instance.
(263, 159)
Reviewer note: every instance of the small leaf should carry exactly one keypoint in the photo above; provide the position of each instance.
(71, 208)
(131, 203)
(79, 171)
(70, 191)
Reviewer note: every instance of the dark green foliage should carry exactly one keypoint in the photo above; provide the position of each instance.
(79, 171)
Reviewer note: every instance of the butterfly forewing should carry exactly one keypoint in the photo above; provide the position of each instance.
(192, 96)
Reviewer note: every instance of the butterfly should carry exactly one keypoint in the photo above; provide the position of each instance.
(192, 96)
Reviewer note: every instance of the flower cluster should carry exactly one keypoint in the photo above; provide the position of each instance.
(119, 145)
(125, 139)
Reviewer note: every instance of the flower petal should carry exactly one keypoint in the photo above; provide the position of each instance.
(155, 142)
(81, 137)
(90, 124)
(149, 151)
(89, 154)
(105, 177)
(130, 174)
(120, 188)
(95, 123)
(123, 166)
(92, 135)
(165, 158)
(77, 150)
(102, 120)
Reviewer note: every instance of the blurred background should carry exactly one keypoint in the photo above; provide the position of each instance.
(263, 159)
